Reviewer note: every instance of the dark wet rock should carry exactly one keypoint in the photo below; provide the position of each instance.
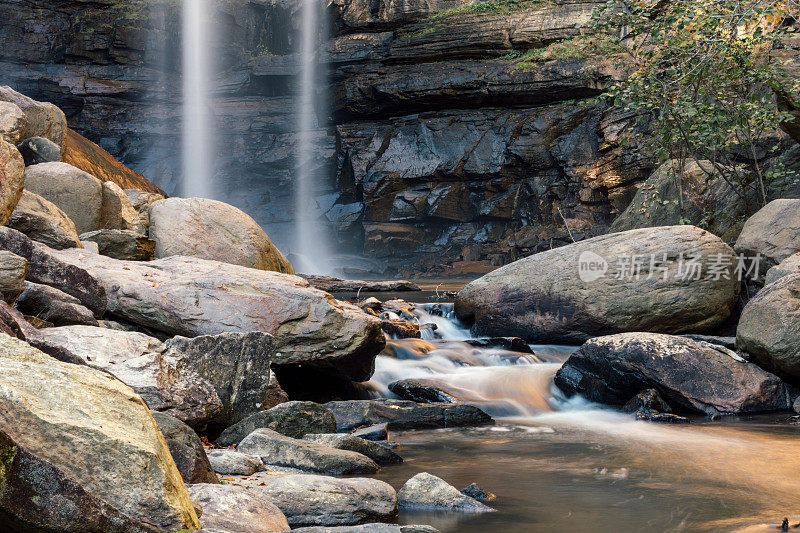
(54, 306)
(190, 296)
(36, 495)
(331, 284)
(45, 268)
(380, 454)
(37, 150)
(373, 432)
(235, 509)
(687, 373)
(369, 528)
(401, 329)
(13, 269)
(664, 418)
(403, 414)
(769, 328)
(424, 390)
(293, 419)
(335, 501)
(544, 297)
(476, 492)
(514, 344)
(236, 364)
(95, 430)
(773, 232)
(309, 456)
(796, 405)
(186, 449)
(428, 492)
(230, 462)
(44, 222)
(725, 342)
(647, 399)
(122, 244)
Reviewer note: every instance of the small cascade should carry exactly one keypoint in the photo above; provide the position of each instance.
(198, 139)
(312, 248)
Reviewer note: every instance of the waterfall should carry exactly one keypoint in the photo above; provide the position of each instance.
(312, 248)
(197, 149)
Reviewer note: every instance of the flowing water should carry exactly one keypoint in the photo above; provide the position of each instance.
(560, 465)
(198, 145)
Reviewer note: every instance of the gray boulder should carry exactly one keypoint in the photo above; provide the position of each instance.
(45, 268)
(293, 419)
(309, 500)
(231, 462)
(13, 123)
(141, 200)
(13, 269)
(53, 305)
(426, 492)
(165, 379)
(77, 193)
(234, 509)
(373, 432)
(769, 328)
(790, 265)
(280, 450)
(209, 229)
(237, 365)
(403, 414)
(36, 150)
(44, 119)
(697, 376)
(116, 210)
(94, 430)
(380, 454)
(594, 287)
(44, 222)
(186, 449)
(12, 172)
(121, 244)
(773, 232)
(189, 296)
(368, 528)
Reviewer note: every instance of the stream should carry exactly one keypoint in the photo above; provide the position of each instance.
(559, 465)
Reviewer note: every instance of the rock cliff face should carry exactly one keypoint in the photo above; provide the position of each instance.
(443, 142)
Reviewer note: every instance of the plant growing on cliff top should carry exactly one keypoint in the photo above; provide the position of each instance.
(701, 70)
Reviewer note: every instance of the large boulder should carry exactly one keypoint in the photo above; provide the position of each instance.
(45, 268)
(190, 296)
(209, 229)
(697, 376)
(12, 172)
(77, 193)
(308, 499)
(186, 449)
(769, 328)
(790, 265)
(231, 462)
(426, 492)
(236, 364)
(44, 222)
(403, 414)
(165, 379)
(44, 119)
(280, 450)
(377, 452)
(54, 306)
(233, 509)
(121, 244)
(675, 279)
(773, 233)
(116, 211)
(96, 431)
(12, 275)
(293, 419)
(708, 200)
(13, 123)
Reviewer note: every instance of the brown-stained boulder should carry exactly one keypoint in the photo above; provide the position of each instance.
(235, 509)
(12, 275)
(44, 222)
(13, 123)
(44, 119)
(773, 232)
(12, 172)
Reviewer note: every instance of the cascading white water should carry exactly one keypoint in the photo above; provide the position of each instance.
(312, 248)
(197, 146)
